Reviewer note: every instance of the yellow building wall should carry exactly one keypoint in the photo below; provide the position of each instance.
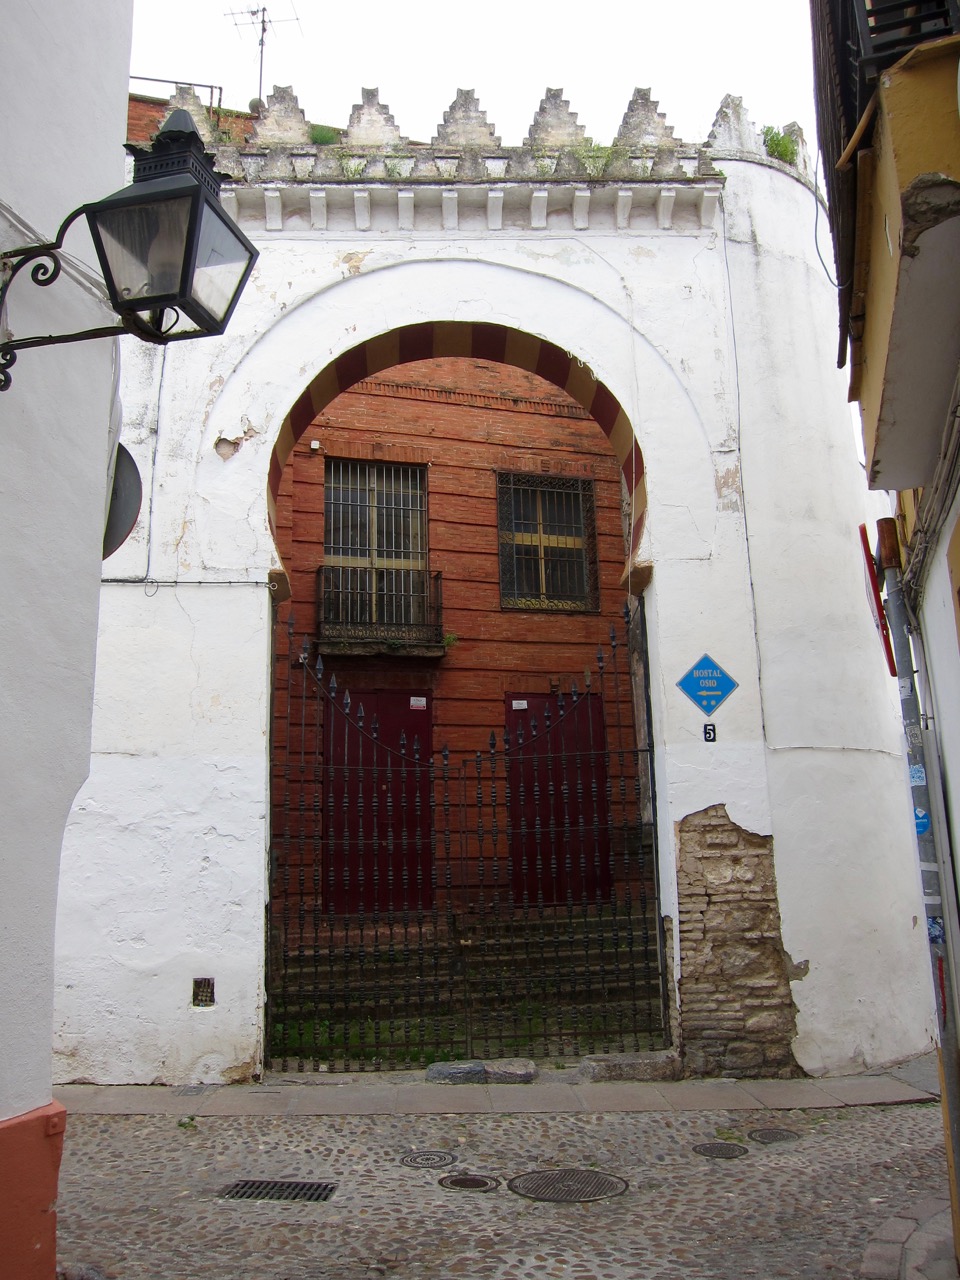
(917, 132)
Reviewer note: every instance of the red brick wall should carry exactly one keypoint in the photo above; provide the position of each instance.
(464, 419)
(145, 115)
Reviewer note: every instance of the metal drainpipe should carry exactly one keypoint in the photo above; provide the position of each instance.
(931, 860)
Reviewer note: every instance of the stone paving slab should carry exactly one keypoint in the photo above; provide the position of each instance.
(862, 1091)
(788, 1094)
(917, 1246)
(621, 1097)
(509, 1099)
(374, 1099)
(704, 1095)
(447, 1099)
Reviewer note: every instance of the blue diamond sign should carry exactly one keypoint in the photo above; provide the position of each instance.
(707, 684)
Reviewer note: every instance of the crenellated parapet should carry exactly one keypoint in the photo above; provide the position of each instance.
(371, 177)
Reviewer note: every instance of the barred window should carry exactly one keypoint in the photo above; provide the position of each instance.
(374, 545)
(547, 543)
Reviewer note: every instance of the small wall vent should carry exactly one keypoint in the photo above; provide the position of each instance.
(203, 993)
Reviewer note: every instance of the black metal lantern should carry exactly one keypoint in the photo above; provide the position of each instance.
(174, 264)
(165, 242)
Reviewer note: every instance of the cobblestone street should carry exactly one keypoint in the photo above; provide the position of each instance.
(140, 1193)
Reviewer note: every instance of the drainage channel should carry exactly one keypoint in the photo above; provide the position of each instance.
(275, 1189)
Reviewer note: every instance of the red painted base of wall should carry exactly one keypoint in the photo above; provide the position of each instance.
(30, 1149)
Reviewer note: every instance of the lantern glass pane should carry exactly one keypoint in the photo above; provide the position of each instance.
(221, 262)
(145, 246)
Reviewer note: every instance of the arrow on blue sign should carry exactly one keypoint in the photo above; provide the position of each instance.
(707, 684)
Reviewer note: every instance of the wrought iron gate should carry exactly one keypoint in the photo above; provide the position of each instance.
(428, 908)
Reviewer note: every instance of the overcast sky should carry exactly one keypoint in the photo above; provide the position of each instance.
(420, 52)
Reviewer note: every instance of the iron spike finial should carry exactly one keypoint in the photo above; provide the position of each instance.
(346, 701)
(333, 688)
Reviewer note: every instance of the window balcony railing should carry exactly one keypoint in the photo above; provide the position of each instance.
(379, 610)
(888, 29)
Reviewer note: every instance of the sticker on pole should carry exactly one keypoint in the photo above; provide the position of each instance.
(922, 819)
(707, 684)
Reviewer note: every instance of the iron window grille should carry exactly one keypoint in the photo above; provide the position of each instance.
(374, 580)
(547, 535)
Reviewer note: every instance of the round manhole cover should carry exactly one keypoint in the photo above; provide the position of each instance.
(567, 1186)
(721, 1150)
(769, 1136)
(428, 1160)
(469, 1182)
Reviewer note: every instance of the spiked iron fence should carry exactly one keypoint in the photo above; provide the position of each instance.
(429, 908)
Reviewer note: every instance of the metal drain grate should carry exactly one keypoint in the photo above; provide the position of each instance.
(721, 1150)
(567, 1186)
(271, 1189)
(768, 1136)
(428, 1160)
(469, 1182)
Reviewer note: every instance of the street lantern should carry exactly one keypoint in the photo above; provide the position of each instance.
(173, 262)
(165, 242)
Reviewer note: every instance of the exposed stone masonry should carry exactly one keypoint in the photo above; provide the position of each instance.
(736, 1008)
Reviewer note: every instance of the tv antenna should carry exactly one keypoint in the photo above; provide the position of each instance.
(259, 18)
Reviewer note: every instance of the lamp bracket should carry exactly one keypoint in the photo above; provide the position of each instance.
(131, 323)
(47, 266)
(45, 257)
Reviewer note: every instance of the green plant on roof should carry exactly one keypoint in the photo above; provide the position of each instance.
(324, 135)
(779, 146)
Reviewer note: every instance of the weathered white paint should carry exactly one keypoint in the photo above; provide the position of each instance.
(712, 331)
(54, 459)
(175, 807)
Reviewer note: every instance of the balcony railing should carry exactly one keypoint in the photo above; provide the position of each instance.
(379, 610)
(888, 29)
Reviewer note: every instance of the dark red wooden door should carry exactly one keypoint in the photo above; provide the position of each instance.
(559, 811)
(377, 819)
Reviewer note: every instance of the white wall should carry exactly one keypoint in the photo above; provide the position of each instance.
(171, 822)
(54, 457)
(842, 816)
(718, 353)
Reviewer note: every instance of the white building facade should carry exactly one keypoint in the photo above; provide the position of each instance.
(59, 421)
(674, 291)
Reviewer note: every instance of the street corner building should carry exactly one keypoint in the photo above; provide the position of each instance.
(489, 673)
(58, 430)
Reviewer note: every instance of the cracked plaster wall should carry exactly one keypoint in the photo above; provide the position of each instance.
(715, 342)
